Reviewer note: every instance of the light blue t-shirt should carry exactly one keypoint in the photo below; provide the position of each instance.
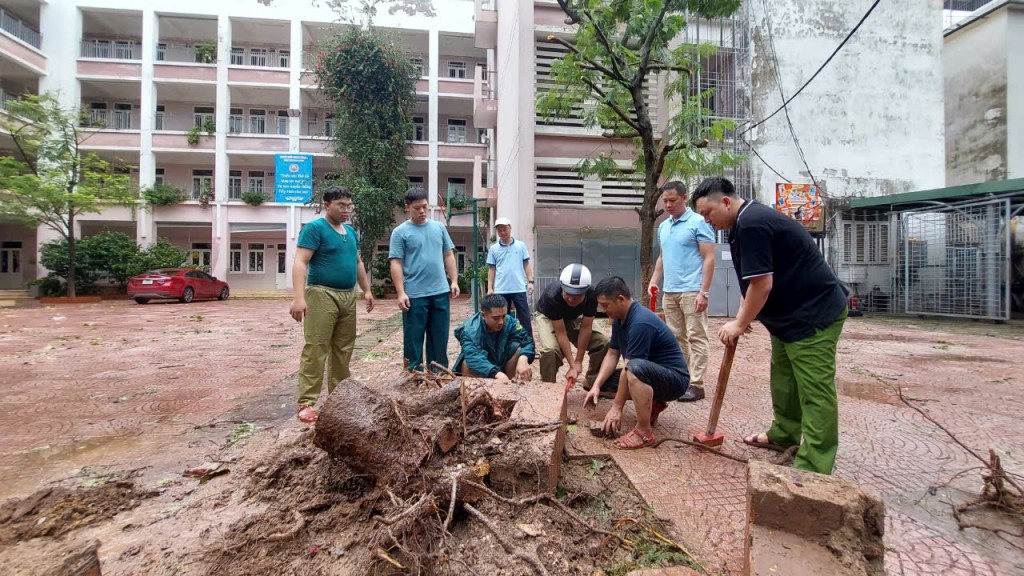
(421, 247)
(680, 251)
(509, 261)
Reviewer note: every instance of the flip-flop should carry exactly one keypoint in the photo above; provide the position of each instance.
(656, 409)
(767, 445)
(645, 441)
(304, 414)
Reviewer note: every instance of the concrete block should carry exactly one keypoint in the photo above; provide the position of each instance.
(805, 523)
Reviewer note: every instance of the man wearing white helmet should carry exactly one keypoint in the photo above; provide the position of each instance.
(565, 317)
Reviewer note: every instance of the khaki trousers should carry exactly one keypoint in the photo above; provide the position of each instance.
(550, 353)
(691, 331)
(330, 331)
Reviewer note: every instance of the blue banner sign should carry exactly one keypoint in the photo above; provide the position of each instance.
(293, 178)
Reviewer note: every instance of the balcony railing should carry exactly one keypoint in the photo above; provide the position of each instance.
(5, 98)
(111, 49)
(15, 27)
(110, 119)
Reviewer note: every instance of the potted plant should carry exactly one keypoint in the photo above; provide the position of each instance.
(192, 136)
(162, 195)
(206, 53)
(205, 196)
(209, 126)
(253, 197)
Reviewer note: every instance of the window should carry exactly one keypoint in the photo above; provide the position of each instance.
(124, 50)
(415, 181)
(419, 132)
(457, 187)
(158, 118)
(159, 178)
(257, 56)
(255, 181)
(235, 185)
(201, 254)
(96, 49)
(417, 63)
(122, 117)
(282, 122)
(238, 56)
(257, 121)
(98, 114)
(161, 52)
(256, 257)
(865, 243)
(456, 69)
(10, 257)
(481, 136)
(202, 115)
(235, 257)
(282, 256)
(328, 124)
(236, 121)
(283, 58)
(202, 183)
(456, 131)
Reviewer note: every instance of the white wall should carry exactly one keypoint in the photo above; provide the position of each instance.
(1015, 93)
(872, 122)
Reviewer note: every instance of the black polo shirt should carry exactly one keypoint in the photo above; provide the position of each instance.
(552, 305)
(806, 295)
(643, 335)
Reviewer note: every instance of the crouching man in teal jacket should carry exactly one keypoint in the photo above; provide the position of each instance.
(494, 344)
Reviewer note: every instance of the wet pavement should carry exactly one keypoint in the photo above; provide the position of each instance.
(120, 385)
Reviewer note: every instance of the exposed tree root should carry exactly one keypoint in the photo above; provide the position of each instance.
(532, 560)
(300, 523)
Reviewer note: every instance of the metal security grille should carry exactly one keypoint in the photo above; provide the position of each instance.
(954, 261)
(605, 252)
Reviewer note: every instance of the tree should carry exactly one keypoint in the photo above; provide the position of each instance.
(371, 86)
(51, 180)
(115, 255)
(618, 48)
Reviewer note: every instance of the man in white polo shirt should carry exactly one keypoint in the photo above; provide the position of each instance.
(510, 273)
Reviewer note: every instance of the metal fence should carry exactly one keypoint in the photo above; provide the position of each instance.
(954, 261)
(17, 28)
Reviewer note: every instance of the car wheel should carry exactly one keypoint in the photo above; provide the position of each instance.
(223, 294)
(187, 295)
(142, 300)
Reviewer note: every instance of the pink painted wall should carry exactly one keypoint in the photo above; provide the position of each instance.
(184, 71)
(315, 146)
(548, 15)
(178, 141)
(113, 69)
(255, 143)
(548, 146)
(18, 50)
(446, 86)
(112, 139)
(179, 115)
(594, 217)
(255, 75)
(460, 151)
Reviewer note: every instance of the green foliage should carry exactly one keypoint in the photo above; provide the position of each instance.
(605, 79)
(113, 254)
(209, 126)
(192, 136)
(52, 180)
(206, 53)
(162, 195)
(466, 277)
(54, 256)
(380, 269)
(370, 84)
(253, 197)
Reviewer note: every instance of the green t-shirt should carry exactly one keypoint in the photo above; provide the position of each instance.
(335, 256)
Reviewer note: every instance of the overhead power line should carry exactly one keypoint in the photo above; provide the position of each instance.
(818, 71)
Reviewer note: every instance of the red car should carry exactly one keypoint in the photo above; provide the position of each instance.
(182, 284)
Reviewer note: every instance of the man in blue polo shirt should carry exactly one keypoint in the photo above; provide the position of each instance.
(788, 286)
(327, 267)
(510, 273)
(654, 374)
(687, 262)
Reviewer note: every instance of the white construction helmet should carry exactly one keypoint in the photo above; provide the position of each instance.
(575, 279)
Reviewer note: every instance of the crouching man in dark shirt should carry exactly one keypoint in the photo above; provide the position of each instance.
(494, 344)
(654, 374)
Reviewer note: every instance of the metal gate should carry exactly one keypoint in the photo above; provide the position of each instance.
(954, 260)
(604, 251)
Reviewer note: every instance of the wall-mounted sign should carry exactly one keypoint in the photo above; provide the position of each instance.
(802, 203)
(293, 178)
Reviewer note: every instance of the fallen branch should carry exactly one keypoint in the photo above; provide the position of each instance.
(413, 510)
(532, 560)
(387, 558)
(702, 447)
(300, 523)
(451, 504)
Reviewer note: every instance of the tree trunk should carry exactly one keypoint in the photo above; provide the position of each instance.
(71, 256)
(647, 219)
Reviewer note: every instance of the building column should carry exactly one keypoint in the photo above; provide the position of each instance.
(295, 86)
(145, 227)
(60, 25)
(219, 237)
(291, 237)
(433, 59)
(220, 241)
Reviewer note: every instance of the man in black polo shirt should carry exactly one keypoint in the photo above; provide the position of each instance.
(789, 288)
(565, 317)
(655, 372)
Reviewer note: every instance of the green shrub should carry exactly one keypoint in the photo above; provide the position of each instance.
(112, 253)
(466, 278)
(54, 256)
(206, 53)
(192, 136)
(254, 198)
(381, 267)
(162, 195)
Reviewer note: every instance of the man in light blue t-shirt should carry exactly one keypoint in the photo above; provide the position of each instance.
(421, 253)
(687, 262)
(510, 273)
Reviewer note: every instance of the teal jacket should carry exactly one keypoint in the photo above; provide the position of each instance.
(476, 346)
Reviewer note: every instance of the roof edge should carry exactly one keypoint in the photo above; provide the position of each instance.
(966, 190)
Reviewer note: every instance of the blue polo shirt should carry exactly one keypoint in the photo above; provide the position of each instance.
(680, 251)
(509, 261)
(421, 248)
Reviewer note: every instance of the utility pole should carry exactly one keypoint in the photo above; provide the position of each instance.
(448, 213)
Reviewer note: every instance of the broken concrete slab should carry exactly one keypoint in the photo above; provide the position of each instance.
(805, 523)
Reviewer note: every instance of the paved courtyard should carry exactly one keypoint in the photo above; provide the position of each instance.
(156, 387)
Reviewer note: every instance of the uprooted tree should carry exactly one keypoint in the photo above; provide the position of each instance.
(51, 180)
(370, 84)
(619, 47)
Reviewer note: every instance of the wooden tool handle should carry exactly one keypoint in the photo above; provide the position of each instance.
(723, 381)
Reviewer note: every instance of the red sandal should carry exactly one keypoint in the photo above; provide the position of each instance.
(625, 441)
(307, 414)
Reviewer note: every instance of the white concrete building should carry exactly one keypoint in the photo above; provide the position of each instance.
(145, 73)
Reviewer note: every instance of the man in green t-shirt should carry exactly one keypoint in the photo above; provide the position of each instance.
(327, 267)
